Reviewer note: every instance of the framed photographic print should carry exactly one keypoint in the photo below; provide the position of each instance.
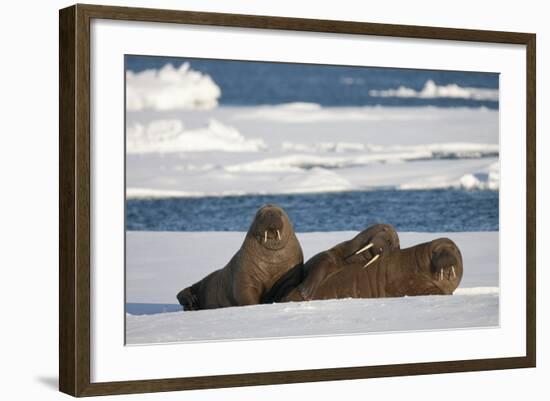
(251, 200)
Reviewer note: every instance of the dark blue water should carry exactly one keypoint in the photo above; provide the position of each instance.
(246, 83)
(426, 211)
(150, 309)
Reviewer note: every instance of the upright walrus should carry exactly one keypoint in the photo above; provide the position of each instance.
(269, 250)
(431, 268)
(362, 250)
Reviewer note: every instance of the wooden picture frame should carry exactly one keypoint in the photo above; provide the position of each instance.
(75, 208)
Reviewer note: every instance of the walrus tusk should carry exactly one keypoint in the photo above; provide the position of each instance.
(453, 270)
(265, 236)
(278, 235)
(371, 261)
(364, 248)
(441, 275)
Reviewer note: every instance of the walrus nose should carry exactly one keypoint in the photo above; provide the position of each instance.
(187, 299)
(274, 226)
(181, 297)
(274, 221)
(446, 266)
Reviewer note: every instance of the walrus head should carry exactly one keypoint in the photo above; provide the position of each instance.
(445, 269)
(370, 245)
(433, 268)
(188, 299)
(271, 227)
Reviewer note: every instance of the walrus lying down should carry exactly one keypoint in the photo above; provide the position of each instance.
(364, 249)
(269, 250)
(431, 268)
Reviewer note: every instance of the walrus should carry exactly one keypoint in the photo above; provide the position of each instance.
(364, 249)
(431, 268)
(269, 250)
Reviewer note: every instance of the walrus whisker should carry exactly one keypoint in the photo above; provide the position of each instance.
(453, 270)
(265, 236)
(371, 261)
(370, 245)
(278, 235)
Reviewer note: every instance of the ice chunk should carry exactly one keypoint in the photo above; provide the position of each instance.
(171, 136)
(431, 90)
(170, 88)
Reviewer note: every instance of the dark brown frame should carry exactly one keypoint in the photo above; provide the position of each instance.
(74, 199)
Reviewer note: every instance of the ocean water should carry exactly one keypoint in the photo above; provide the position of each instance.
(441, 210)
(136, 308)
(249, 83)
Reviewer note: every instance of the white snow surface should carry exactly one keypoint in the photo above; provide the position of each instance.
(159, 264)
(303, 147)
(170, 136)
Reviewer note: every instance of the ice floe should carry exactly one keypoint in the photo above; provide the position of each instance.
(431, 90)
(170, 88)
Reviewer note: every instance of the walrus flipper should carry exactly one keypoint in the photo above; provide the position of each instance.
(288, 281)
(188, 299)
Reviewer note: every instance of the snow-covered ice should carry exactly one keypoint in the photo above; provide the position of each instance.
(304, 148)
(314, 318)
(159, 264)
(431, 91)
(170, 136)
(170, 88)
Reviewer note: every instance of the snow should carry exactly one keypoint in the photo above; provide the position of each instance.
(159, 264)
(378, 154)
(169, 89)
(292, 174)
(435, 150)
(476, 291)
(308, 113)
(431, 90)
(150, 193)
(314, 318)
(489, 181)
(338, 147)
(171, 136)
(302, 147)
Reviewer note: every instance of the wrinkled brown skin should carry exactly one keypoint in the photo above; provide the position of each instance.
(407, 272)
(253, 270)
(304, 281)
